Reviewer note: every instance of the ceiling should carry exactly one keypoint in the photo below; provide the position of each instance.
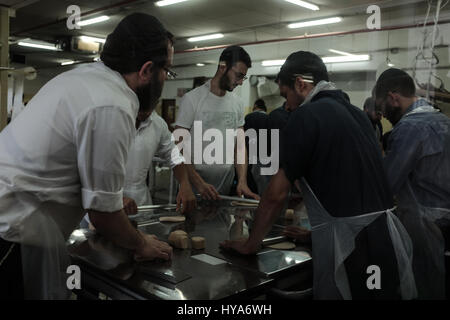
(241, 21)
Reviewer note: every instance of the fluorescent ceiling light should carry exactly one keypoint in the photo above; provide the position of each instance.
(340, 52)
(207, 37)
(93, 20)
(39, 45)
(92, 39)
(272, 63)
(314, 23)
(66, 63)
(96, 59)
(334, 59)
(200, 64)
(168, 2)
(304, 4)
(351, 58)
(390, 64)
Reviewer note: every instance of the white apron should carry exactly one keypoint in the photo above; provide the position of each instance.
(333, 240)
(429, 244)
(221, 176)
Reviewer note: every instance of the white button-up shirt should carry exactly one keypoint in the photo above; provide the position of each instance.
(67, 150)
(153, 137)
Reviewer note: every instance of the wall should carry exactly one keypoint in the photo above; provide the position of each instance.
(402, 42)
(403, 50)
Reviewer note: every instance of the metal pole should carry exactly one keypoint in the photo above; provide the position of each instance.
(4, 63)
(433, 38)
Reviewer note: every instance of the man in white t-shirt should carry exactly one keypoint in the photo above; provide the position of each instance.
(154, 138)
(65, 154)
(214, 106)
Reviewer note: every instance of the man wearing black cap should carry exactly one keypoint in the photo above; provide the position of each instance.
(417, 164)
(65, 154)
(328, 144)
(214, 106)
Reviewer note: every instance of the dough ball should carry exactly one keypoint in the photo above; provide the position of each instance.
(289, 215)
(179, 239)
(198, 243)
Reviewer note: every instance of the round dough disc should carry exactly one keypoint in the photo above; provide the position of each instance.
(243, 204)
(172, 219)
(282, 245)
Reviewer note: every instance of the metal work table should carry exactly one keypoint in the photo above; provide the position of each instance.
(207, 274)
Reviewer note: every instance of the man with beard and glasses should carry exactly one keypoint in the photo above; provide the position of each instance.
(417, 164)
(329, 146)
(66, 154)
(214, 106)
(153, 137)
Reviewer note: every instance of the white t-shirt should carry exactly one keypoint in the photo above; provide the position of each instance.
(67, 150)
(216, 112)
(153, 137)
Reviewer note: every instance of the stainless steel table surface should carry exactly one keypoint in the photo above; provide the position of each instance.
(110, 269)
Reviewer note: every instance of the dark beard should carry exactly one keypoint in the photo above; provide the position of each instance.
(393, 114)
(149, 94)
(224, 83)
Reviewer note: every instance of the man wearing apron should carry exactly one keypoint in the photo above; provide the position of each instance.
(329, 145)
(214, 106)
(417, 164)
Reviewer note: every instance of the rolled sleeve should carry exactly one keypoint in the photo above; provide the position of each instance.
(103, 138)
(102, 201)
(167, 148)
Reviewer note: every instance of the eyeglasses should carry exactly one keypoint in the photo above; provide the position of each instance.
(240, 75)
(170, 74)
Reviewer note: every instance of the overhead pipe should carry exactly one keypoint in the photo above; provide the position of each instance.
(306, 36)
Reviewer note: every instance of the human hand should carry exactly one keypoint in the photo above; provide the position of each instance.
(129, 206)
(151, 248)
(187, 198)
(241, 246)
(243, 190)
(298, 233)
(208, 191)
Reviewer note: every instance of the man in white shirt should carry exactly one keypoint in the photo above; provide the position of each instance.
(153, 137)
(66, 153)
(216, 107)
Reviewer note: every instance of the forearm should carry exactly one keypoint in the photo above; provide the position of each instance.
(116, 227)
(193, 175)
(181, 174)
(269, 209)
(241, 168)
